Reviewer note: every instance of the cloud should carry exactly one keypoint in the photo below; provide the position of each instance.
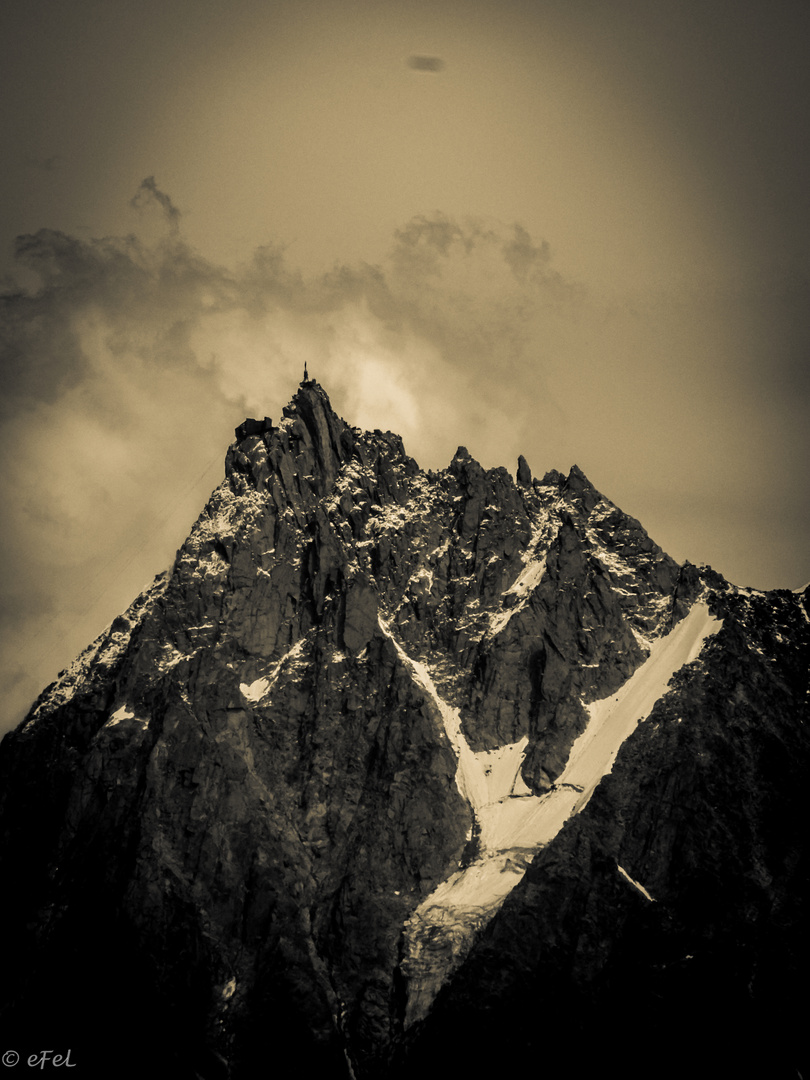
(426, 63)
(523, 255)
(150, 192)
(116, 313)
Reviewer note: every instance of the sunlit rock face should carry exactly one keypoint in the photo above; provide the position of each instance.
(391, 762)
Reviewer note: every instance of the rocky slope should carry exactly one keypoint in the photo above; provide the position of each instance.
(334, 782)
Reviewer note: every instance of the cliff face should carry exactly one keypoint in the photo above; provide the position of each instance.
(335, 781)
(665, 927)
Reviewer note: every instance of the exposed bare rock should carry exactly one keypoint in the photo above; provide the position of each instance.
(335, 781)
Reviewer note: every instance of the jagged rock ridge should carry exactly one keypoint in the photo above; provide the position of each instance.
(305, 785)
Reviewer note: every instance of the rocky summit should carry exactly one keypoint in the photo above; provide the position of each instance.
(397, 774)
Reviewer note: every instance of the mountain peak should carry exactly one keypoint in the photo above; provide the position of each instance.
(310, 395)
(308, 767)
(324, 432)
(311, 442)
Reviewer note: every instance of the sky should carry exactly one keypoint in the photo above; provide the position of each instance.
(577, 231)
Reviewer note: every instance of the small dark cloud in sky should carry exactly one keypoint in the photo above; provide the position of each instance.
(523, 255)
(150, 192)
(425, 63)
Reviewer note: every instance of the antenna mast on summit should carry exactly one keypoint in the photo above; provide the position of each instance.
(306, 377)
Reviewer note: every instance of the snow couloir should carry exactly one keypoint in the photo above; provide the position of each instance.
(514, 824)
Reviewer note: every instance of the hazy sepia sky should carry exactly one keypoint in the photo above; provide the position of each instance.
(582, 236)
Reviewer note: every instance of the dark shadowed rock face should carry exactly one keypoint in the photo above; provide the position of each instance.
(290, 800)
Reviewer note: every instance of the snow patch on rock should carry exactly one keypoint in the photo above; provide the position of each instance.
(260, 688)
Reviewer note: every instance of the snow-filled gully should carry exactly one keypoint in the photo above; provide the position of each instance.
(514, 824)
